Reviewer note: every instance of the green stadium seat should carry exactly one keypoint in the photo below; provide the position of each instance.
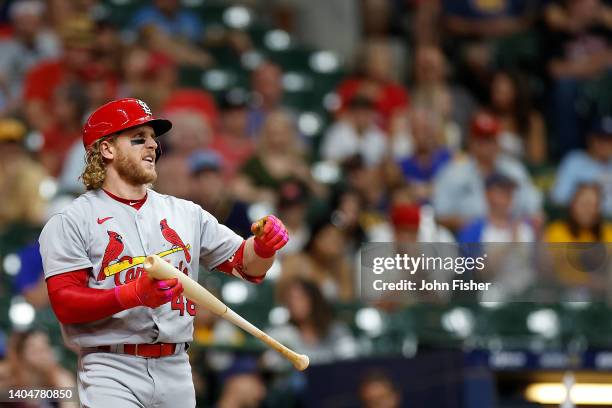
(294, 59)
(515, 326)
(591, 323)
(434, 328)
(216, 80)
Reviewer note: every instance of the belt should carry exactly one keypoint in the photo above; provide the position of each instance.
(155, 350)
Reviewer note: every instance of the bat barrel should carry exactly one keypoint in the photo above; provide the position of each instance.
(302, 362)
(159, 269)
(299, 361)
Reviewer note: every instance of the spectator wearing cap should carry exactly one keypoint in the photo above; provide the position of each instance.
(20, 178)
(500, 225)
(405, 219)
(415, 223)
(591, 165)
(232, 142)
(30, 43)
(208, 189)
(407, 222)
(512, 264)
(459, 189)
(355, 133)
(429, 154)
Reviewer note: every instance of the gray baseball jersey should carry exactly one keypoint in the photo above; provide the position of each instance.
(98, 232)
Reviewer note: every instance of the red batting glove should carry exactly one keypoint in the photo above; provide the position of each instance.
(145, 291)
(269, 239)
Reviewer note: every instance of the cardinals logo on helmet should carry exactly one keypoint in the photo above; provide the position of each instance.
(113, 250)
(172, 237)
(145, 107)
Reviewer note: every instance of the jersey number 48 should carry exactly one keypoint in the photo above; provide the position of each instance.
(181, 303)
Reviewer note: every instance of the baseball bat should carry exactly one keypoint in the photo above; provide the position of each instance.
(160, 269)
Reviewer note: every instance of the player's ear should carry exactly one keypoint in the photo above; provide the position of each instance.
(107, 149)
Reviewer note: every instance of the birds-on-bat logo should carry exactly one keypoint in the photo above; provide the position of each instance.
(113, 250)
(172, 237)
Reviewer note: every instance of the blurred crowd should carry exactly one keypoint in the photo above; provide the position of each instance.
(454, 121)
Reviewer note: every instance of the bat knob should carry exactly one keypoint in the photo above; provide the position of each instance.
(258, 227)
(301, 362)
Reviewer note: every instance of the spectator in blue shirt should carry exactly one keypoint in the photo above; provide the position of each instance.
(485, 235)
(29, 281)
(459, 188)
(169, 17)
(166, 28)
(499, 225)
(428, 156)
(591, 165)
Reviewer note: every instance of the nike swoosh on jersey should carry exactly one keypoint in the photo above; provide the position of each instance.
(103, 220)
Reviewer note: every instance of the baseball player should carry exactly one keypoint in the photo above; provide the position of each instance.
(131, 330)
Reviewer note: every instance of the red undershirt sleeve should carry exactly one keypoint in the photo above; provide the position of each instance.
(235, 265)
(74, 302)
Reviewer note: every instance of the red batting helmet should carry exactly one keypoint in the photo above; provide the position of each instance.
(120, 115)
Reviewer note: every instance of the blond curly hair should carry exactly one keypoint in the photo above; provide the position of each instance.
(95, 168)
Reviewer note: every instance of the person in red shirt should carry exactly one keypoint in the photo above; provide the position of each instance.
(75, 65)
(376, 83)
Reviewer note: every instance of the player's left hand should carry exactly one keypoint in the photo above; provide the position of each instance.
(270, 236)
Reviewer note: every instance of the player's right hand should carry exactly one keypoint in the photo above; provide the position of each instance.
(145, 291)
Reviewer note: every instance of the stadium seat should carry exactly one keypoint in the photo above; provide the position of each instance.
(522, 325)
(591, 323)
